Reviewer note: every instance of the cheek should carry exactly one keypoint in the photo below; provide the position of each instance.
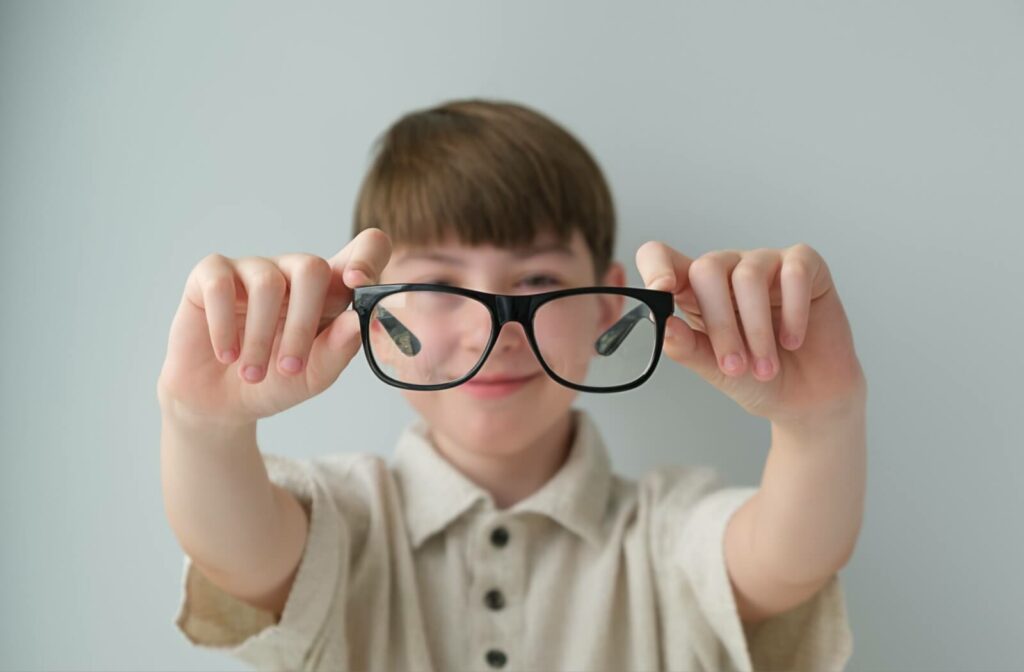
(566, 332)
(444, 349)
(381, 344)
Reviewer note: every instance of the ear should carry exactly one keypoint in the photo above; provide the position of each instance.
(615, 276)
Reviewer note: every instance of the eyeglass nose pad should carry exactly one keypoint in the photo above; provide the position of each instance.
(509, 312)
(504, 341)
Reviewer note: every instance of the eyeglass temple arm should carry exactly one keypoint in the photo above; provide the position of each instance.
(407, 343)
(611, 339)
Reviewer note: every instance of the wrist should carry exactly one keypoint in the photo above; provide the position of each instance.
(180, 418)
(842, 414)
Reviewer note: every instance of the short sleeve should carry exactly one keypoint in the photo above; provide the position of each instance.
(210, 617)
(812, 636)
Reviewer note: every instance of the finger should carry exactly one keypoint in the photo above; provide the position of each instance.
(369, 257)
(266, 287)
(332, 351)
(362, 261)
(368, 253)
(212, 287)
(662, 267)
(796, 277)
(709, 277)
(692, 349)
(308, 277)
(752, 278)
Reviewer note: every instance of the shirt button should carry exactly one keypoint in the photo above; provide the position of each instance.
(494, 599)
(496, 658)
(499, 537)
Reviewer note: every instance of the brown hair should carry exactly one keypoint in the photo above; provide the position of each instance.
(489, 172)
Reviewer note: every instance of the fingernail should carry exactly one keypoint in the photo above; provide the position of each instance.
(291, 364)
(763, 367)
(733, 362)
(252, 373)
(791, 340)
(665, 283)
(228, 356)
(358, 276)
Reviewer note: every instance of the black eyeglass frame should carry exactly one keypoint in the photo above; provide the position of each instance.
(519, 308)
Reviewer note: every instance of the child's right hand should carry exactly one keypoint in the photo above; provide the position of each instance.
(266, 310)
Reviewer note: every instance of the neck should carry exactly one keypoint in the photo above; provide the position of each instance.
(513, 476)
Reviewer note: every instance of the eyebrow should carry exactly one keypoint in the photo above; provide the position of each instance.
(518, 253)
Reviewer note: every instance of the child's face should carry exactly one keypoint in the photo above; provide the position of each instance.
(478, 419)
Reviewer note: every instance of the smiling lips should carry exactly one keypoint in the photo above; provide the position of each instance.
(494, 379)
(493, 387)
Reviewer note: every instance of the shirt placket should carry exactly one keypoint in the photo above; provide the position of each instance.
(497, 592)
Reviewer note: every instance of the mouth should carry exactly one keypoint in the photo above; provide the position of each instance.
(492, 387)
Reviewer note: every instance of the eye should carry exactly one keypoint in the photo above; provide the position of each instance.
(541, 280)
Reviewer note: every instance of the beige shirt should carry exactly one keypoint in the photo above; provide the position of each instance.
(410, 566)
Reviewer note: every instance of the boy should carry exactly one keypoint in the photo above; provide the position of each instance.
(498, 537)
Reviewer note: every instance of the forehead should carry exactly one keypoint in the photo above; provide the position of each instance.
(452, 250)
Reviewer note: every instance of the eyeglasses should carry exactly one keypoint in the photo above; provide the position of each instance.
(421, 336)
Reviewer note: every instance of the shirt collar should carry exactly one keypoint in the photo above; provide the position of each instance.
(435, 493)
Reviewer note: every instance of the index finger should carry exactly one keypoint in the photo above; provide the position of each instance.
(662, 267)
(362, 261)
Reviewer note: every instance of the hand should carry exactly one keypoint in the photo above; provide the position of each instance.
(265, 310)
(747, 303)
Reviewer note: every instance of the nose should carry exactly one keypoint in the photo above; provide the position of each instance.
(475, 328)
(511, 337)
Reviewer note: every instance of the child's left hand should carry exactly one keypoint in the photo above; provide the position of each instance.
(747, 302)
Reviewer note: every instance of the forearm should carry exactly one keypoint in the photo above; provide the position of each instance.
(218, 497)
(811, 501)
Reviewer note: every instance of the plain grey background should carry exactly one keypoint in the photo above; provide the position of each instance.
(137, 137)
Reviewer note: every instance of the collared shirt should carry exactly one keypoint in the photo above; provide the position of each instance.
(410, 566)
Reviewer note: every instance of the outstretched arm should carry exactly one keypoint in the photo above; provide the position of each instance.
(766, 327)
(801, 527)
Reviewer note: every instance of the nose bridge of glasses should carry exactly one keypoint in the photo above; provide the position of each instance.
(513, 309)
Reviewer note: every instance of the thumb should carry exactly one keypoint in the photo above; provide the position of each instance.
(665, 283)
(693, 350)
(332, 351)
